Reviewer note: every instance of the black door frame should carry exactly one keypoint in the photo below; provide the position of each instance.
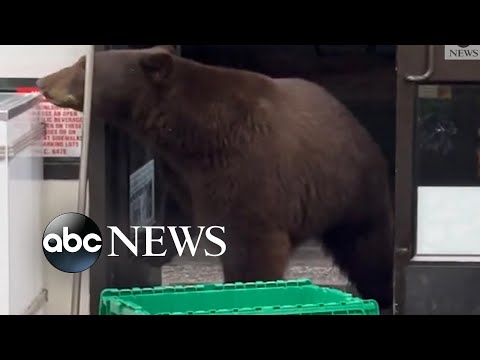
(109, 170)
(110, 167)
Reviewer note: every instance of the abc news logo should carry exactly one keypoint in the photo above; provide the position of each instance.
(462, 52)
(72, 242)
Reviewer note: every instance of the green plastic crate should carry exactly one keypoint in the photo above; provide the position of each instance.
(293, 297)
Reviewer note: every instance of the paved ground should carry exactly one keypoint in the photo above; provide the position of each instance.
(309, 262)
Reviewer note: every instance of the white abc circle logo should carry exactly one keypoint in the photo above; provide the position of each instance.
(72, 243)
(64, 242)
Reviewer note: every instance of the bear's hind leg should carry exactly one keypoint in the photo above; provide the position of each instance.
(257, 258)
(365, 254)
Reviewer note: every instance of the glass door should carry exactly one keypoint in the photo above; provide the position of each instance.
(437, 250)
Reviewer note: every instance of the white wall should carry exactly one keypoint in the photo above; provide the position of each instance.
(34, 61)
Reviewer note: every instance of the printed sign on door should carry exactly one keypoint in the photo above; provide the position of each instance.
(63, 129)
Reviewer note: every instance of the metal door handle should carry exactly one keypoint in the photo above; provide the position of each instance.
(83, 177)
(430, 69)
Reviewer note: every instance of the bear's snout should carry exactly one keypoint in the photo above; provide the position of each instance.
(40, 83)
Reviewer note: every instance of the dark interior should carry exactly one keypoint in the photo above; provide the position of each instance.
(361, 76)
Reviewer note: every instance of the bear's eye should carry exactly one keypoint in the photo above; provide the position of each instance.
(131, 70)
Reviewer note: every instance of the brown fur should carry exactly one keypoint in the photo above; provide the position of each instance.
(276, 161)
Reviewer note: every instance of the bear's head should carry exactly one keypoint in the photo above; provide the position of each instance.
(121, 79)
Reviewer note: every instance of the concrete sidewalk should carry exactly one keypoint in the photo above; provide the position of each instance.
(309, 262)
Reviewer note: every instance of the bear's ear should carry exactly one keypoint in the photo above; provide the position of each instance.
(82, 61)
(157, 66)
(170, 48)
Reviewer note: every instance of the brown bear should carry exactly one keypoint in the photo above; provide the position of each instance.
(275, 161)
